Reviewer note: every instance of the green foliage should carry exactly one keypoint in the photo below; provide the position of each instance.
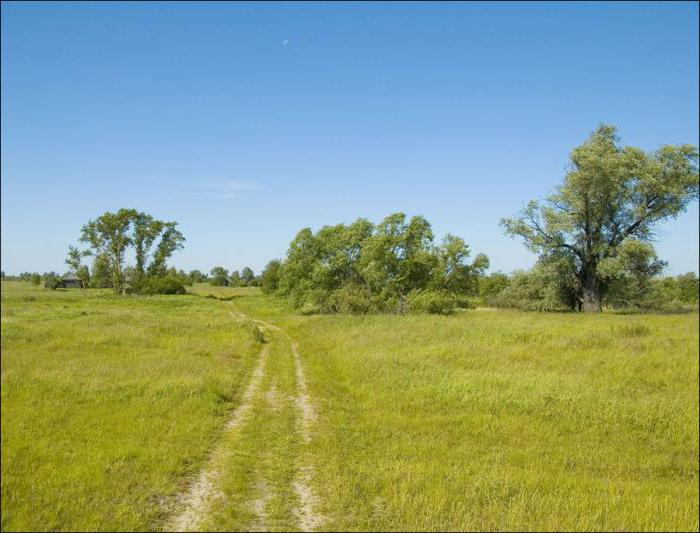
(611, 195)
(549, 286)
(35, 279)
(184, 277)
(491, 285)
(452, 273)
(362, 267)
(235, 279)
(688, 287)
(270, 277)
(111, 234)
(170, 241)
(247, 277)
(628, 276)
(441, 302)
(74, 261)
(219, 277)
(53, 281)
(101, 277)
(168, 284)
(197, 276)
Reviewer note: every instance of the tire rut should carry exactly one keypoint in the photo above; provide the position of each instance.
(202, 493)
(197, 499)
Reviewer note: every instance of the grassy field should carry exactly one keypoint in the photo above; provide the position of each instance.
(109, 404)
(482, 420)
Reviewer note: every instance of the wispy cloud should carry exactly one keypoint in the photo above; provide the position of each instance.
(220, 188)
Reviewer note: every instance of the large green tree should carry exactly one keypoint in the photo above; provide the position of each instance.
(100, 275)
(111, 234)
(145, 231)
(610, 195)
(219, 277)
(270, 278)
(170, 241)
(247, 276)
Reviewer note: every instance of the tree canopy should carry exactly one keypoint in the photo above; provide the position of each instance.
(363, 267)
(111, 234)
(611, 196)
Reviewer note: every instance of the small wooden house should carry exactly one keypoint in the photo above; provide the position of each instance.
(71, 281)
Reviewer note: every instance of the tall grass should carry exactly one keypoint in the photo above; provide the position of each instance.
(485, 420)
(110, 404)
(495, 420)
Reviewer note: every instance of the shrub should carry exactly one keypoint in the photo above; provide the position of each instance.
(163, 285)
(350, 299)
(462, 301)
(491, 285)
(53, 282)
(438, 302)
(549, 286)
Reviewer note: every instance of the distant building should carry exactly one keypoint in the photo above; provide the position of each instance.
(71, 281)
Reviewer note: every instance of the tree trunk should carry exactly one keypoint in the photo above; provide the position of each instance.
(117, 278)
(591, 293)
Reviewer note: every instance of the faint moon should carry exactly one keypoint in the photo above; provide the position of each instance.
(285, 42)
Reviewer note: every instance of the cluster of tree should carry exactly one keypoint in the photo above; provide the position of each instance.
(109, 237)
(220, 277)
(33, 277)
(552, 287)
(592, 237)
(51, 280)
(593, 234)
(393, 266)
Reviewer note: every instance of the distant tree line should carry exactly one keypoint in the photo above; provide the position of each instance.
(593, 238)
(110, 235)
(547, 288)
(393, 266)
(220, 277)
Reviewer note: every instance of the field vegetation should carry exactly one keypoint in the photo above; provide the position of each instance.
(109, 403)
(377, 380)
(493, 420)
(484, 419)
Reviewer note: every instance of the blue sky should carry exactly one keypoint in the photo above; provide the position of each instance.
(247, 122)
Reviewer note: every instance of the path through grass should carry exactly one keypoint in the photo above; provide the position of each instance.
(110, 404)
(486, 420)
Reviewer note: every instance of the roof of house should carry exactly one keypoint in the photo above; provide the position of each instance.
(70, 277)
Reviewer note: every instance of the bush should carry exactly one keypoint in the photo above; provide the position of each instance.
(349, 299)
(53, 282)
(549, 286)
(438, 302)
(466, 302)
(163, 285)
(491, 285)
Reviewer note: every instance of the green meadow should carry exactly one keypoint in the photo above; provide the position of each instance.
(482, 420)
(109, 403)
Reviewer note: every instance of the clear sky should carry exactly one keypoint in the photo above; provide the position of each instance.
(247, 122)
